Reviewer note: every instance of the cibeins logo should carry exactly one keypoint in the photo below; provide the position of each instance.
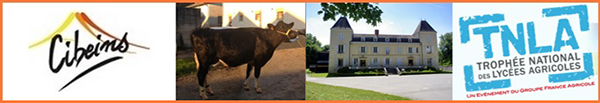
(77, 53)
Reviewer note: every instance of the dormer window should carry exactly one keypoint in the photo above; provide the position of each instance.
(387, 39)
(375, 39)
(362, 39)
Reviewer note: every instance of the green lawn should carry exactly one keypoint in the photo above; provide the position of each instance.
(185, 67)
(324, 75)
(426, 72)
(319, 75)
(316, 91)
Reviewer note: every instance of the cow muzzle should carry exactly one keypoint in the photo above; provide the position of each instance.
(287, 34)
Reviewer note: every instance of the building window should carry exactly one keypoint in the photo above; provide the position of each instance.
(340, 48)
(356, 62)
(340, 62)
(399, 61)
(220, 20)
(410, 50)
(241, 16)
(362, 39)
(387, 39)
(416, 49)
(417, 61)
(363, 49)
(428, 49)
(375, 50)
(428, 40)
(387, 50)
(341, 36)
(387, 61)
(230, 18)
(280, 15)
(399, 49)
(375, 39)
(257, 17)
(372, 62)
(375, 61)
(429, 61)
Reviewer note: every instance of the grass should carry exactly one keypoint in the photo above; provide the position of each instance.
(316, 91)
(185, 67)
(319, 75)
(324, 75)
(425, 72)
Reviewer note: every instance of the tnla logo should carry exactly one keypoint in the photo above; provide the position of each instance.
(78, 52)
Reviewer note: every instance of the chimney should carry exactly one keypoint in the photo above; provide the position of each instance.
(377, 32)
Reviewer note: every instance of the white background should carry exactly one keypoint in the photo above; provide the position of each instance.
(145, 75)
(473, 51)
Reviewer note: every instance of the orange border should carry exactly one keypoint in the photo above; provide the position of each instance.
(307, 1)
(276, 101)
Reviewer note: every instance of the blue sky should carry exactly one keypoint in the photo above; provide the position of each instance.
(397, 18)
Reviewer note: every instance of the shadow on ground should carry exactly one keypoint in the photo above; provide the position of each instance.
(282, 78)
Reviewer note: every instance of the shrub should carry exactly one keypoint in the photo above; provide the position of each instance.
(344, 70)
(433, 69)
(308, 71)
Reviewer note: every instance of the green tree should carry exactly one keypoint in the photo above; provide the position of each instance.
(354, 11)
(445, 48)
(325, 47)
(313, 47)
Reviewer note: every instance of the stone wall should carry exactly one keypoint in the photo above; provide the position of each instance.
(187, 20)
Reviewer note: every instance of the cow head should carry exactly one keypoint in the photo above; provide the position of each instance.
(285, 29)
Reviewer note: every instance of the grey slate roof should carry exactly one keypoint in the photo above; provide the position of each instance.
(342, 22)
(424, 26)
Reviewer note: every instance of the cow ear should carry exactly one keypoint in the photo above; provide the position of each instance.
(270, 26)
(292, 24)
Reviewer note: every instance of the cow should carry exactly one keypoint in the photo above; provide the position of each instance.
(236, 46)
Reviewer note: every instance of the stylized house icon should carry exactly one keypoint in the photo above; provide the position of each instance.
(85, 21)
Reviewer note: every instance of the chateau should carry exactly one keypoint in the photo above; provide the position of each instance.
(370, 51)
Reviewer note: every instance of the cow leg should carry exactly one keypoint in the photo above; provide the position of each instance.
(256, 75)
(208, 90)
(197, 62)
(201, 74)
(201, 81)
(223, 63)
(248, 70)
(220, 63)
